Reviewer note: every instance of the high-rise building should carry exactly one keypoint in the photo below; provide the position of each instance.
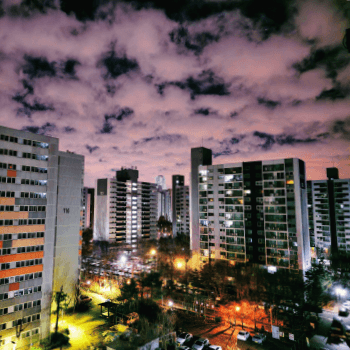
(40, 243)
(125, 210)
(160, 181)
(167, 205)
(329, 215)
(256, 212)
(180, 206)
(199, 156)
(87, 207)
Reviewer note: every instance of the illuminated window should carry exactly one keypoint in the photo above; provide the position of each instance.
(290, 182)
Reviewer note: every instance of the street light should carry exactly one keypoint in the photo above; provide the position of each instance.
(237, 309)
(123, 259)
(179, 265)
(153, 252)
(340, 292)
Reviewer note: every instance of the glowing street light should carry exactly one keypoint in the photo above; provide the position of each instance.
(88, 282)
(128, 281)
(123, 259)
(179, 265)
(153, 252)
(340, 292)
(237, 308)
(170, 303)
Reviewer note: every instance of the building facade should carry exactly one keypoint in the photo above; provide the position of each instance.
(256, 212)
(329, 215)
(199, 156)
(125, 210)
(180, 206)
(40, 243)
(87, 214)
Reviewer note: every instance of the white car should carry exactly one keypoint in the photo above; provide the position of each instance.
(243, 335)
(214, 347)
(200, 344)
(347, 304)
(183, 337)
(259, 338)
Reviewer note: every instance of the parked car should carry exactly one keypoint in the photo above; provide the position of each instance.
(259, 338)
(183, 337)
(200, 344)
(214, 347)
(243, 335)
(346, 304)
(184, 347)
(343, 312)
(84, 299)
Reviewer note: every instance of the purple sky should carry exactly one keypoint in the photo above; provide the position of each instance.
(136, 84)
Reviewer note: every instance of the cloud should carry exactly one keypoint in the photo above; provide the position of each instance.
(41, 130)
(142, 83)
(116, 66)
(91, 149)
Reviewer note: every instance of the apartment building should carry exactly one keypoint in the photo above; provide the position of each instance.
(329, 215)
(125, 210)
(180, 206)
(256, 212)
(40, 243)
(199, 156)
(87, 214)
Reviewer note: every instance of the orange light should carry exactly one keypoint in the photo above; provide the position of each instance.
(290, 182)
(237, 308)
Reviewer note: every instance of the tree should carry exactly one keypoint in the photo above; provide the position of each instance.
(128, 290)
(152, 280)
(164, 225)
(59, 298)
(317, 283)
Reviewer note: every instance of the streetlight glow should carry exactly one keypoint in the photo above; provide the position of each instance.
(237, 308)
(340, 292)
(88, 282)
(123, 259)
(179, 265)
(170, 303)
(153, 252)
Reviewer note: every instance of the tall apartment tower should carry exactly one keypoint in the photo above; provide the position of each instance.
(199, 156)
(180, 206)
(40, 243)
(125, 210)
(256, 212)
(329, 215)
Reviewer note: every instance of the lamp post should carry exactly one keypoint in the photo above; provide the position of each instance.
(237, 309)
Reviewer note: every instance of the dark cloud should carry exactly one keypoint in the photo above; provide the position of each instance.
(39, 67)
(205, 111)
(41, 130)
(205, 84)
(225, 152)
(28, 7)
(116, 65)
(27, 108)
(337, 92)
(168, 138)
(330, 59)
(268, 103)
(69, 67)
(123, 113)
(69, 130)
(83, 11)
(91, 148)
(341, 128)
(196, 42)
(283, 139)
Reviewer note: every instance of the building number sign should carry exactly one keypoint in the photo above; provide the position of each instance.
(66, 210)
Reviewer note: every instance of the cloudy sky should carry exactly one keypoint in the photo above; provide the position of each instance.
(141, 83)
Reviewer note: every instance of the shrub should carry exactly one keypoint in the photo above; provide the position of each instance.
(58, 339)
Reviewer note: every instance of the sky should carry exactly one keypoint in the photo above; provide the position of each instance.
(140, 83)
